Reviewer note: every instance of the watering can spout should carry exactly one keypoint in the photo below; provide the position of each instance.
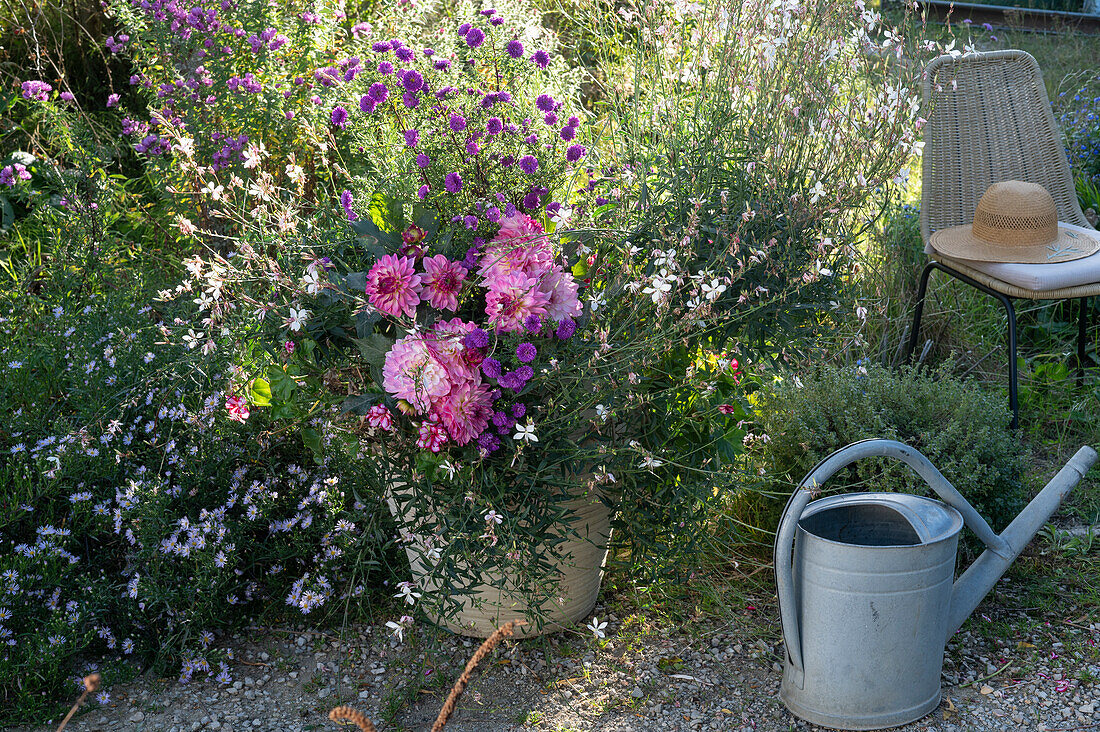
(1002, 550)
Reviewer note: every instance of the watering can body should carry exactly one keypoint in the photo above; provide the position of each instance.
(867, 592)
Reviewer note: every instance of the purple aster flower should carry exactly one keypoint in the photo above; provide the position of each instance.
(385, 67)
(458, 123)
(412, 137)
(472, 148)
(568, 132)
(575, 153)
(453, 182)
(413, 81)
(545, 102)
(565, 330)
(526, 352)
(541, 59)
(470, 222)
(378, 92)
(381, 46)
(502, 420)
(511, 381)
(491, 368)
(409, 100)
(441, 64)
(475, 37)
(525, 373)
(494, 125)
(339, 117)
(366, 104)
(423, 160)
(472, 259)
(550, 118)
(574, 122)
(346, 201)
(532, 323)
(507, 161)
(405, 54)
(488, 442)
(429, 52)
(464, 29)
(423, 192)
(518, 410)
(528, 164)
(476, 338)
(515, 49)
(493, 214)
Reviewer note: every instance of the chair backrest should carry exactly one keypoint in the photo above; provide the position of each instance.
(989, 119)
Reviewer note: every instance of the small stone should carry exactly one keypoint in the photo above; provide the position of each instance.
(264, 656)
(137, 716)
(986, 690)
(637, 692)
(1089, 708)
(364, 693)
(324, 693)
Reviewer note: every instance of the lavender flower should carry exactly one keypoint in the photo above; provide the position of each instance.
(453, 182)
(528, 164)
(565, 330)
(515, 49)
(575, 153)
(457, 122)
(541, 59)
(412, 137)
(526, 352)
(494, 125)
(339, 117)
(475, 37)
(412, 81)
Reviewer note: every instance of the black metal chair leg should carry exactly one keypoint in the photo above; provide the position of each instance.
(918, 311)
(1082, 327)
(1013, 396)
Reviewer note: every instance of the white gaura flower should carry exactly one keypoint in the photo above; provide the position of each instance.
(525, 432)
(659, 287)
(215, 191)
(185, 226)
(650, 462)
(817, 192)
(602, 412)
(297, 319)
(713, 290)
(312, 282)
(561, 216)
(254, 155)
(192, 338)
(597, 627)
(493, 517)
(407, 593)
(448, 468)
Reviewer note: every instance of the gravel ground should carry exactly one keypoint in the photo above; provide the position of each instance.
(1012, 671)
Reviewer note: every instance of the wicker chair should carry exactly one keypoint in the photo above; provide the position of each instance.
(990, 120)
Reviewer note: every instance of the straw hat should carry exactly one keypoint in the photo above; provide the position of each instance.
(1015, 222)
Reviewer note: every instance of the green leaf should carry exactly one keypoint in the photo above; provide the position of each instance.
(311, 438)
(282, 386)
(365, 322)
(7, 213)
(374, 348)
(260, 393)
(361, 403)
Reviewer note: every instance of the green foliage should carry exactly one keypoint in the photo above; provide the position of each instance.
(955, 424)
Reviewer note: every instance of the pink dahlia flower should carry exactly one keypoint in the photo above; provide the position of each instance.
(442, 281)
(447, 343)
(465, 411)
(562, 291)
(512, 298)
(519, 246)
(413, 373)
(393, 286)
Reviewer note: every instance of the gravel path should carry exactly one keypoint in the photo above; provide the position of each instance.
(1007, 670)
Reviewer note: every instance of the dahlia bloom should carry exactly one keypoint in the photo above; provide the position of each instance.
(442, 281)
(447, 343)
(393, 286)
(561, 291)
(380, 418)
(512, 298)
(413, 373)
(465, 411)
(518, 247)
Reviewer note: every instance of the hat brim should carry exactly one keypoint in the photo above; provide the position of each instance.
(959, 242)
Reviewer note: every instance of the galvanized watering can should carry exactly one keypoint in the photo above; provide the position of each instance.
(866, 596)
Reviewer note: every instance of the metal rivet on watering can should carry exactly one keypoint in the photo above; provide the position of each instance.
(866, 592)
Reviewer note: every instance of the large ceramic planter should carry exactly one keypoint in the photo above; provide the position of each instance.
(492, 603)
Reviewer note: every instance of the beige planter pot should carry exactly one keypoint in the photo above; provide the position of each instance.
(491, 603)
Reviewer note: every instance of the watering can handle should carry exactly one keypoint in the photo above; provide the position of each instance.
(784, 537)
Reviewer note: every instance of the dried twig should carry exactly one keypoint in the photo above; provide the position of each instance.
(352, 715)
(460, 685)
(91, 685)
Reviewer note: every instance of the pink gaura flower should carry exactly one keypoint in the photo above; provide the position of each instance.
(413, 373)
(237, 406)
(512, 298)
(465, 411)
(393, 285)
(442, 281)
(380, 418)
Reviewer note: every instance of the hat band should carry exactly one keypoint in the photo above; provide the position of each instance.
(1015, 229)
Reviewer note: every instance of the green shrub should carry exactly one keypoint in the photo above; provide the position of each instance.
(958, 426)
